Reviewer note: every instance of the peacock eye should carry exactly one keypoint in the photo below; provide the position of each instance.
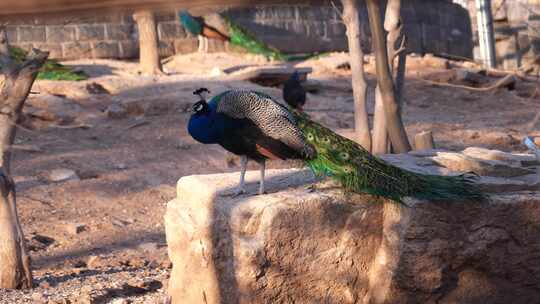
(310, 137)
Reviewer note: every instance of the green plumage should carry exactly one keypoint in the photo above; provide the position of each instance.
(243, 38)
(359, 171)
(51, 70)
(190, 23)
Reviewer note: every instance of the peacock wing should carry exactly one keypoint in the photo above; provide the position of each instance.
(274, 120)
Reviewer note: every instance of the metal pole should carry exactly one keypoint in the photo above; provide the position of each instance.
(485, 32)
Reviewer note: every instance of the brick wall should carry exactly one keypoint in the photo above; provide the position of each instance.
(517, 30)
(432, 26)
(439, 27)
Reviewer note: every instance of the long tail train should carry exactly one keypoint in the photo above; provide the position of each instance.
(359, 171)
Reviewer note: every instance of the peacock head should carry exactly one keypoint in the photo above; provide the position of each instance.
(295, 76)
(201, 106)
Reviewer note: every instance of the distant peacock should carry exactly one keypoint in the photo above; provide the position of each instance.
(217, 26)
(51, 70)
(294, 93)
(255, 126)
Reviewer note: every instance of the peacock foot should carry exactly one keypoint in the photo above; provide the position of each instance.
(235, 193)
(311, 188)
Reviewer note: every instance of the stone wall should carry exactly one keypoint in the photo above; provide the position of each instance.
(517, 31)
(432, 26)
(302, 244)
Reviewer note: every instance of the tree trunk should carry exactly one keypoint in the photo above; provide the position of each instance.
(352, 22)
(148, 43)
(394, 124)
(424, 141)
(380, 133)
(392, 25)
(15, 261)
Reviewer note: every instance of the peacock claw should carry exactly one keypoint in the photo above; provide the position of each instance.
(311, 188)
(235, 193)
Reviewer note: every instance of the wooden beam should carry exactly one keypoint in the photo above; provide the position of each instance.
(39, 7)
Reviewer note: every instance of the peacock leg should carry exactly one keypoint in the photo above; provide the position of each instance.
(243, 166)
(201, 43)
(261, 183)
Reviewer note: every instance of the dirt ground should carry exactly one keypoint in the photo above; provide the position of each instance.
(99, 238)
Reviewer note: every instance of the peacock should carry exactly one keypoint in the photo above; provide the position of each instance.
(255, 126)
(217, 26)
(198, 27)
(51, 70)
(293, 92)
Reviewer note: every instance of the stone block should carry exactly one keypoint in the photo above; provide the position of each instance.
(129, 49)
(90, 32)
(119, 31)
(335, 29)
(296, 245)
(414, 37)
(168, 30)
(316, 29)
(31, 33)
(242, 12)
(12, 34)
(431, 35)
(317, 12)
(216, 46)
(429, 13)
(54, 49)
(104, 49)
(507, 53)
(166, 48)
(25, 46)
(272, 13)
(165, 16)
(74, 50)
(59, 34)
(187, 45)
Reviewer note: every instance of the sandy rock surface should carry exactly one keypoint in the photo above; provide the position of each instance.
(312, 243)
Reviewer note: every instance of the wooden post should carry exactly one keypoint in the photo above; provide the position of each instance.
(15, 262)
(424, 141)
(352, 23)
(148, 43)
(395, 127)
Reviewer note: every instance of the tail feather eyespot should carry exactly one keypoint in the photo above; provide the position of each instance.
(344, 155)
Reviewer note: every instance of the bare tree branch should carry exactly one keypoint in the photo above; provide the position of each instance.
(15, 267)
(395, 127)
(352, 22)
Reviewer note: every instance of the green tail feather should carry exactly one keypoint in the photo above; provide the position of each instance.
(359, 171)
(51, 70)
(242, 37)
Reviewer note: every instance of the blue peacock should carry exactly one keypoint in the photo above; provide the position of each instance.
(221, 27)
(255, 126)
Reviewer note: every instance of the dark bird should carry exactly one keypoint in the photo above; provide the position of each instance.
(254, 126)
(198, 27)
(293, 92)
(249, 124)
(223, 28)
